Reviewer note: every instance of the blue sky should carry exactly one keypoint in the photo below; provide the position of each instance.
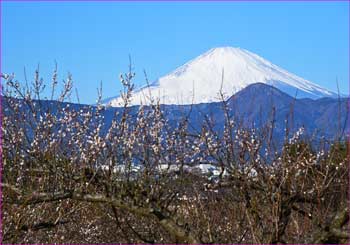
(93, 40)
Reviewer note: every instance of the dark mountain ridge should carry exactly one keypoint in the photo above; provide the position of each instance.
(256, 106)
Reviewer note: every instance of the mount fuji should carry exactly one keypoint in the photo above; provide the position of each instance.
(224, 70)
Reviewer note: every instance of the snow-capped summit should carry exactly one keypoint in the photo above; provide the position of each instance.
(225, 69)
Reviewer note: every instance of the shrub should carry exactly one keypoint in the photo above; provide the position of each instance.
(68, 177)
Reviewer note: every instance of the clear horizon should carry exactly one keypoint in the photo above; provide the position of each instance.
(93, 40)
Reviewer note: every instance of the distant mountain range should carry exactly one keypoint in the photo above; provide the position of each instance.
(256, 106)
(257, 93)
(224, 69)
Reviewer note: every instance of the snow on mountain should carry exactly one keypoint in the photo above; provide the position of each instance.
(225, 69)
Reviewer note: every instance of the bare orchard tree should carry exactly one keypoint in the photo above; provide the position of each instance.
(70, 177)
